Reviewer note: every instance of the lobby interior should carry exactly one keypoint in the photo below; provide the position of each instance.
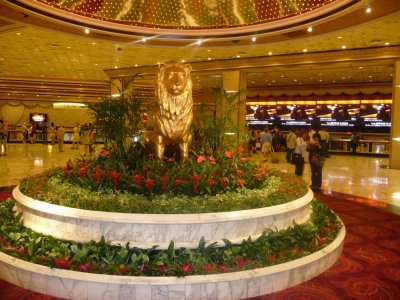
(63, 52)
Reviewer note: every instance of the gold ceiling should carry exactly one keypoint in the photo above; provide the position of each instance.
(183, 14)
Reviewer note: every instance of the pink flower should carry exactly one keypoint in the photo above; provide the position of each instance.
(85, 267)
(149, 183)
(200, 158)
(228, 154)
(212, 160)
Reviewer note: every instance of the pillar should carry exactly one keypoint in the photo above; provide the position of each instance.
(394, 157)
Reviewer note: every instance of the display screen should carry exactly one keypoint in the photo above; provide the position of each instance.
(38, 117)
(335, 115)
(376, 116)
(261, 114)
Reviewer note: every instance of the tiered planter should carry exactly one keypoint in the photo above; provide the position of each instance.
(147, 230)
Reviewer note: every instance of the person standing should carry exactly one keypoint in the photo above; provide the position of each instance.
(290, 145)
(44, 133)
(25, 132)
(299, 152)
(85, 132)
(317, 159)
(324, 134)
(354, 141)
(60, 137)
(75, 136)
(266, 141)
(52, 133)
(3, 137)
(32, 135)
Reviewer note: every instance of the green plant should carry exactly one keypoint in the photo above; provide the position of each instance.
(272, 247)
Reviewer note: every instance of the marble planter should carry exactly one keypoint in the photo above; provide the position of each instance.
(238, 285)
(146, 230)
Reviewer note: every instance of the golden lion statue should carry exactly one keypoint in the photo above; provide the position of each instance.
(174, 109)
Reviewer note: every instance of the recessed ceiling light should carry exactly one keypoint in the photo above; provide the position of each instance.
(270, 53)
(295, 80)
(136, 65)
(209, 58)
(360, 67)
(253, 39)
(238, 56)
(282, 76)
(144, 40)
(209, 50)
(368, 10)
(68, 47)
(18, 33)
(339, 37)
(387, 44)
(87, 31)
(93, 43)
(158, 63)
(305, 50)
(116, 67)
(309, 29)
(344, 46)
(199, 42)
(182, 60)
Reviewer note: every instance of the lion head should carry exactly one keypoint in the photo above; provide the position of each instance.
(175, 77)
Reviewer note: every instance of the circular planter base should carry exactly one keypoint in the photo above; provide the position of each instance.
(237, 285)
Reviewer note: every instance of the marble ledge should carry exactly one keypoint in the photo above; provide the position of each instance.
(244, 284)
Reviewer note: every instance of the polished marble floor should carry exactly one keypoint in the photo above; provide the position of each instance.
(361, 176)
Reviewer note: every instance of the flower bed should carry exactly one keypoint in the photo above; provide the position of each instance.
(203, 185)
(273, 247)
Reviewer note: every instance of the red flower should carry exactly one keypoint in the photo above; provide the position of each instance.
(185, 268)
(228, 154)
(212, 160)
(85, 267)
(164, 182)
(63, 263)
(81, 172)
(195, 179)
(239, 173)
(69, 165)
(243, 160)
(149, 183)
(297, 250)
(114, 175)
(224, 268)
(179, 181)
(21, 250)
(224, 181)
(143, 268)
(208, 268)
(162, 169)
(242, 262)
(211, 182)
(258, 176)
(271, 258)
(162, 268)
(144, 121)
(104, 153)
(122, 269)
(138, 179)
(200, 158)
(321, 240)
(97, 176)
(240, 183)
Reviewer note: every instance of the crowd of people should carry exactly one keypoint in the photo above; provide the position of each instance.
(84, 135)
(301, 145)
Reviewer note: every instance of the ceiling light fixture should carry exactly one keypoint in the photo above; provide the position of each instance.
(144, 40)
(87, 31)
(209, 58)
(368, 10)
(387, 44)
(270, 53)
(199, 42)
(116, 67)
(253, 39)
(182, 61)
(136, 65)
(344, 46)
(309, 29)
(238, 56)
(305, 50)
(339, 37)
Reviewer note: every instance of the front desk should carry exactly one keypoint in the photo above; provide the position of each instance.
(374, 144)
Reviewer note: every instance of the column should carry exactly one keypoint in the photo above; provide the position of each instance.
(394, 157)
